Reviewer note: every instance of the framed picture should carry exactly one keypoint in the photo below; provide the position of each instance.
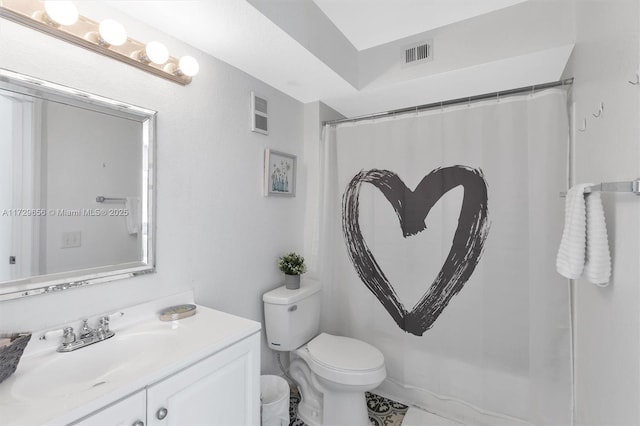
(279, 173)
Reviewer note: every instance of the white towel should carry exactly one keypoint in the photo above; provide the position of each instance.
(584, 248)
(597, 268)
(570, 260)
(132, 204)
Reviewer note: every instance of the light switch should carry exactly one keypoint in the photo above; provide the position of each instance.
(71, 239)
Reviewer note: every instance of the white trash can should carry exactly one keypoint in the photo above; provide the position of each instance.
(274, 396)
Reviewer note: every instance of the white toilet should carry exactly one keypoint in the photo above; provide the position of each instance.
(333, 372)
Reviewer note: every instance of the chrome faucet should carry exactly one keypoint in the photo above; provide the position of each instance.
(86, 336)
(86, 331)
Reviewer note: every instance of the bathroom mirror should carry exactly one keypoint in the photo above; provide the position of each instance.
(76, 188)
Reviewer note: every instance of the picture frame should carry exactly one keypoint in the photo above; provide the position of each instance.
(279, 174)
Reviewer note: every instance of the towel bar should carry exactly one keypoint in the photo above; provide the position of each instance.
(629, 186)
(632, 186)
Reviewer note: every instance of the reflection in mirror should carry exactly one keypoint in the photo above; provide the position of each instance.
(76, 187)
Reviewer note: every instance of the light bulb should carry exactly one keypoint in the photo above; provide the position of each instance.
(156, 52)
(112, 32)
(61, 12)
(188, 66)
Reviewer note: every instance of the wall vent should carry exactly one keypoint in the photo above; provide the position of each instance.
(417, 54)
(259, 114)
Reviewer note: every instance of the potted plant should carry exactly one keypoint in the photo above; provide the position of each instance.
(292, 265)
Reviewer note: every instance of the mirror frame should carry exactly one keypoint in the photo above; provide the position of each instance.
(48, 283)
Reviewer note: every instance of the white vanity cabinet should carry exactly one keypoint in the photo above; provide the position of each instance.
(130, 411)
(200, 370)
(222, 389)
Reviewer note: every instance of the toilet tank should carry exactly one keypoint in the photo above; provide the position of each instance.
(292, 317)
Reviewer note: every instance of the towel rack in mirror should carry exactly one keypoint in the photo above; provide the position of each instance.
(102, 199)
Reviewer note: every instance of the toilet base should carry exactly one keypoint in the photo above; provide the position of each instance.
(339, 409)
(308, 415)
(326, 403)
(345, 409)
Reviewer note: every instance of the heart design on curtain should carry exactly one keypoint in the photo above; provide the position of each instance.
(412, 208)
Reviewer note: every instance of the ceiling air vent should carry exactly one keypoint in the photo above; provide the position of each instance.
(417, 54)
(259, 114)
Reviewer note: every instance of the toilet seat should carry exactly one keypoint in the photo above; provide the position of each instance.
(344, 360)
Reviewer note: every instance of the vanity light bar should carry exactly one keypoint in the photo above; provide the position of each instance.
(85, 32)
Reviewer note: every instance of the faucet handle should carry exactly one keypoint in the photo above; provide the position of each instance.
(103, 322)
(68, 336)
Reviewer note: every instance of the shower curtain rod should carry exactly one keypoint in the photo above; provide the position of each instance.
(469, 99)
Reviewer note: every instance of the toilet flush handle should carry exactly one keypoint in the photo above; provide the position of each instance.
(293, 308)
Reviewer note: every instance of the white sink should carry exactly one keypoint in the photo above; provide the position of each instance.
(95, 365)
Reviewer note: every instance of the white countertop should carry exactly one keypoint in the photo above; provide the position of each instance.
(150, 350)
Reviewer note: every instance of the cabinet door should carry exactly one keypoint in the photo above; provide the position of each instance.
(130, 411)
(223, 389)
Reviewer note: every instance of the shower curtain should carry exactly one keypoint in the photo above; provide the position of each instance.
(436, 244)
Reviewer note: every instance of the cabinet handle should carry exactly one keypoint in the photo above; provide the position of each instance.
(138, 423)
(162, 413)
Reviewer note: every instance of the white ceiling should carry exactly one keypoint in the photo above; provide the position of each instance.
(238, 34)
(478, 42)
(369, 23)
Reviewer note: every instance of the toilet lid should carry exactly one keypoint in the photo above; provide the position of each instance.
(344, 353)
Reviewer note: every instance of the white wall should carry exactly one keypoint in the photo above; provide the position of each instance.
(607, 327)
(216, 233)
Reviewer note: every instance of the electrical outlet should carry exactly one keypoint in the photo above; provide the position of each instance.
(71, 239)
